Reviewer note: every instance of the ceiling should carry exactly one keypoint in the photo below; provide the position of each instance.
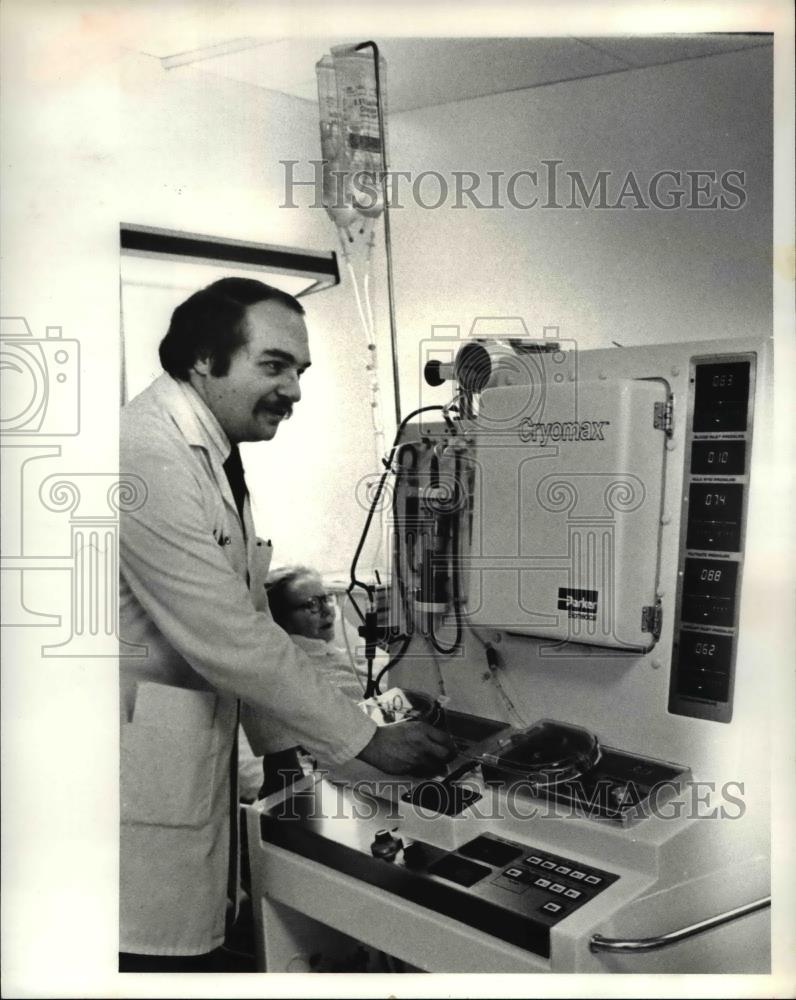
(423, 72)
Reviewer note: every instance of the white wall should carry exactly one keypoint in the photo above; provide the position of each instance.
(634, 276)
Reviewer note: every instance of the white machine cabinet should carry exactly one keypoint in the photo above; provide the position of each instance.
(580, 497)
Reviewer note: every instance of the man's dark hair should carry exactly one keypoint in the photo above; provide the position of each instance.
(211, 324)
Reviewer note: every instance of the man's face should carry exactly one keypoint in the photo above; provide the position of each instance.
(262, 382)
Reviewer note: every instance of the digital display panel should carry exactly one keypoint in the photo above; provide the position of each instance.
(704, 665)
(714, 516)
(709, 592)
(721, 397)
(718, 458)
(719, 442)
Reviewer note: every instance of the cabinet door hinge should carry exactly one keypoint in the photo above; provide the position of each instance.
(652, 619)
(663, 417)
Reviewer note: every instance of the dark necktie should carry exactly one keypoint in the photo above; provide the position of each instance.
(233, 467)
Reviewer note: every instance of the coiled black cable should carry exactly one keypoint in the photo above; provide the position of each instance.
(373, 683)
(388, 468)
(455, 571)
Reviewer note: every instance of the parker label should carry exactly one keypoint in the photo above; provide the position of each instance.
(578, 603)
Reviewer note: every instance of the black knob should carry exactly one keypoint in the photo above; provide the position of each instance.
(385, 846)
(431, 373)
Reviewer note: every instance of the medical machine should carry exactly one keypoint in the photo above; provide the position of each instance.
(578, 543)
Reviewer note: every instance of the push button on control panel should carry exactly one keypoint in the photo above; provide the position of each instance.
(514, 879)
(552, 907)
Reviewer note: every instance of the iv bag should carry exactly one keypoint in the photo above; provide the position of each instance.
(351, 141)
(337, 195)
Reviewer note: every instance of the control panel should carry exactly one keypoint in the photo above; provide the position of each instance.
(555, 886)
(509, 890)
(715, 496)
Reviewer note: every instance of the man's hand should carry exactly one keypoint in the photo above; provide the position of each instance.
(409, 748)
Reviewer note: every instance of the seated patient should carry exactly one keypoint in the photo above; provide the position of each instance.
(300, 605)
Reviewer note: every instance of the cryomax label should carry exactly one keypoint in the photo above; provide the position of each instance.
(567, 430)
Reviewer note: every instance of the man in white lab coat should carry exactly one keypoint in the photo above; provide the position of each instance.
(192, 597)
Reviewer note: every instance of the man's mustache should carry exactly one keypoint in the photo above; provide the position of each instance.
(283, 410)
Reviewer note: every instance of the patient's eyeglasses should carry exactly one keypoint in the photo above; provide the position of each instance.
(315, 604)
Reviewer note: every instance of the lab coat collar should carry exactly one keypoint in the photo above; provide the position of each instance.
(201, 430)
(205, 426)
(192, 415)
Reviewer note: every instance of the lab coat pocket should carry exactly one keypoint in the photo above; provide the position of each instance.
(167, 775)
(260, 562)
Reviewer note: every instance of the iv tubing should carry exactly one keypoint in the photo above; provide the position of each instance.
(387, 237)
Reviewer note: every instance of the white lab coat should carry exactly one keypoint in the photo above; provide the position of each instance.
(207, 639)
(333, 664)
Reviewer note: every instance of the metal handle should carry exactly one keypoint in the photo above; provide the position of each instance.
(600, 943)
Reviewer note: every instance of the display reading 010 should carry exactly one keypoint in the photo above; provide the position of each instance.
(718, 458)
